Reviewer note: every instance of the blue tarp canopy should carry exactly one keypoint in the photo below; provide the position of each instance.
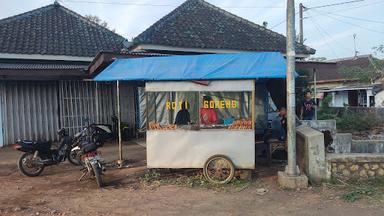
(248, 65)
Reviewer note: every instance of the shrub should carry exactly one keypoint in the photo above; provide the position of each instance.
(347, 120)
(353, 122)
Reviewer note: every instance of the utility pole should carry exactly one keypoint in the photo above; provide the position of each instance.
(302, 8)
(301, 35)
(291, 107)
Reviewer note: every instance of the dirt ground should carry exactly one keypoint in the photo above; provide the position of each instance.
(58, 192)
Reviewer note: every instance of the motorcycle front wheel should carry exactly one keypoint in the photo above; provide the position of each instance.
(29, 166)
(74, 157)
(97, 172)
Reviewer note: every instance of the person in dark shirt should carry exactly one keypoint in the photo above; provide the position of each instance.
(283, 122)
(307, 111)
(183, 117)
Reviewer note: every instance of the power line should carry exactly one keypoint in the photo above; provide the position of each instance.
(121, 3)
(335, 4)
(320, 31)
(360, 6)
(166, 5)
(346, 9)
(355, 18)
(349, 23)
(279, 23)
(320, 6)
(316, 24)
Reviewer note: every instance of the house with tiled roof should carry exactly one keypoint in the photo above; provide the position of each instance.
(53, 39)
(44, 58)
(345, 91)
(197, 26)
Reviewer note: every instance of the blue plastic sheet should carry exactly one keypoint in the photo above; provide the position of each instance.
(248, 65)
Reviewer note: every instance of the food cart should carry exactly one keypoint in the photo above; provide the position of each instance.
(229, 141)
(214, 86)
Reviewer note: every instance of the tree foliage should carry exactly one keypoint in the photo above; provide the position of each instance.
(367, 75)
(374, 71)
(379, 49)
(97, 20)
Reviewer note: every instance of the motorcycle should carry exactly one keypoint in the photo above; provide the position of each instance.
(91, 161)
(101, 132)
(96, 133)
(75, 153)
(109, 132)
(38, 155)
(88, 134)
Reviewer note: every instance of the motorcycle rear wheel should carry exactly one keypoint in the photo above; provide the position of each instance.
(97, 172)
(73, 157)
(26, 163)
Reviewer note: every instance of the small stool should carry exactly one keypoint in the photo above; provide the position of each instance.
(274, 145)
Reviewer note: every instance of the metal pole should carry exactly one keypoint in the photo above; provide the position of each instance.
(119, 122)
(253, 101)
(315, 90)
(301, 36)
(291, 120)
(97, 102)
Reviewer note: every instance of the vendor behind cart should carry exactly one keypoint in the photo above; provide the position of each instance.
(183, 116)
(208, 115)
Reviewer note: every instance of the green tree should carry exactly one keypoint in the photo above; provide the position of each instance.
(379, 49)
(374, 71)
(98, 21)
(369, 74)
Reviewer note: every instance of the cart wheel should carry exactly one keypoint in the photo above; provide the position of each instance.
(219, 169)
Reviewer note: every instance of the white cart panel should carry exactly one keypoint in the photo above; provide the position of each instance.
(190, 149)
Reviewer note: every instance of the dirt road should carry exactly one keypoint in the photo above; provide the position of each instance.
(57, 192)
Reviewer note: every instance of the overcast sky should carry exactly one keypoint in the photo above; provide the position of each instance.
(329, 30)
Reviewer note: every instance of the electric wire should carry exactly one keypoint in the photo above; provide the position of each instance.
(349, 23)
(355, 18)
(323, 34)
(166, 5)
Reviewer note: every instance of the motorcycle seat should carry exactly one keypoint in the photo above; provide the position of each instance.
(31, 144)
(27, 142)
(88, 147)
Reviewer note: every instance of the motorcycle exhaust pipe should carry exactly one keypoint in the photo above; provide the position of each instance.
(39, 162)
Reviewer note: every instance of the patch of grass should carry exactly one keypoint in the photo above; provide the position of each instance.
(353, 190)
(150, 176)
(153, 178)
(358, 193)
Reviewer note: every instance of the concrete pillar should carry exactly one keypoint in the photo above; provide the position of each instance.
(291, 177)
